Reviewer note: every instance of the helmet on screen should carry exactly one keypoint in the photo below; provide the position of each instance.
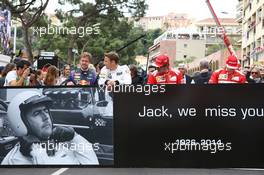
(17, 107)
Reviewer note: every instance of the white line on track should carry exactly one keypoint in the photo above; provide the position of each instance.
(60, 171)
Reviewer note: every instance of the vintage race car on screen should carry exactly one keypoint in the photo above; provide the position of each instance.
(85, 110)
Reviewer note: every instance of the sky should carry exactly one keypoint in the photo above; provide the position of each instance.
(194, 8)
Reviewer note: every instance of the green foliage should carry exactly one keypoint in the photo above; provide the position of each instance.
(185, 61)
(221, 45)
(115, 29)
(214, 48)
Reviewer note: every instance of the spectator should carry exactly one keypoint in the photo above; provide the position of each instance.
(151, 69)
(186, 79)
(254, 76)
(39, 77)
(204, 75)
(18, 77)
(35, 78)
(9, 67)
(136, 79)
(51, 78)
(64, 78)
(44, 71)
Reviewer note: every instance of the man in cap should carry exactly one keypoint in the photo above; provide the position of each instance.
(164, 74)
(39, 141)
(229, 74)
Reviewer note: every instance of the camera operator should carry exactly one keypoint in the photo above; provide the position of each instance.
(19, 77)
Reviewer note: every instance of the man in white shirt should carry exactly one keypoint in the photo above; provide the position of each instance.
(113, 74)
(19, 77)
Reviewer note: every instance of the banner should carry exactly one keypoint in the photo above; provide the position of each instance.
(5, 30)
(195, 126)
(157, 126)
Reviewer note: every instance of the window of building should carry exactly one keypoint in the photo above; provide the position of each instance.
(184, 56)
(185, 45)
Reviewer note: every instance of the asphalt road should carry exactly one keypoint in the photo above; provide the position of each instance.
(123, 171)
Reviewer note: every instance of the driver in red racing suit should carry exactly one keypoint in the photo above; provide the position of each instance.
(164, 74)
(229, 74)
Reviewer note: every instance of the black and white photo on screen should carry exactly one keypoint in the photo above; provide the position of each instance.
(56, 126)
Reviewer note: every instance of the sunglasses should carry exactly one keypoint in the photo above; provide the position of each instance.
(254, 73)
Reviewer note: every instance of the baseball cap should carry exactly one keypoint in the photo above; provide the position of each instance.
(232, 62)
(161, 61)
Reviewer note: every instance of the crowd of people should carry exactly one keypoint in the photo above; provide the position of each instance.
(232, 73)
(109, 73)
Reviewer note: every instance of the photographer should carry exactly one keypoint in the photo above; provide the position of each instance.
(18, 77)
(29, 116)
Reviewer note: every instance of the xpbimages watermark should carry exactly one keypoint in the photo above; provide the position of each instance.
(61, 30)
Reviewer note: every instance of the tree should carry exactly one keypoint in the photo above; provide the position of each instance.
(28, 12)
(214, 48)
(104, 12)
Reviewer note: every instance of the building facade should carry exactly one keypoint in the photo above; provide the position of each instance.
(216, 60)
(213, 33)
(253, 31)
(170, 21)
(180, 45)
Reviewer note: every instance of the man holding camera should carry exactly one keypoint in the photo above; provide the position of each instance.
(19, 77)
